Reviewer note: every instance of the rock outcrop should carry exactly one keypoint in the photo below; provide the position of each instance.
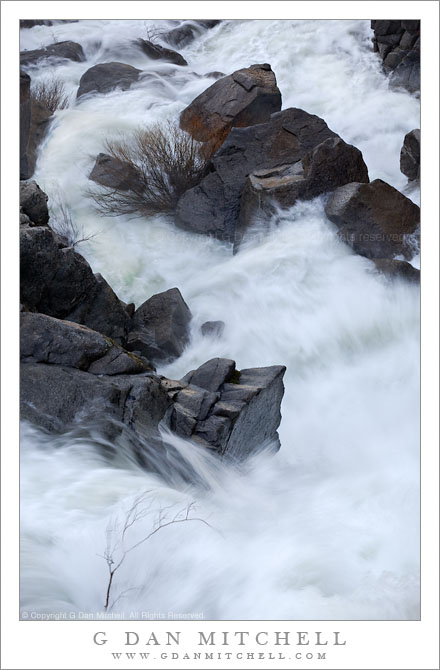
(25, 123)
(410, 155)
(293, 141)
(160, 326)
(33, 202)
(398, 43)
(60, 50)
(244, 98)
(375, 219)
(212, 328)
(158, 52)
(105, 77)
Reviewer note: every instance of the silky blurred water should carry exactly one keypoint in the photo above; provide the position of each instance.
(329, 527)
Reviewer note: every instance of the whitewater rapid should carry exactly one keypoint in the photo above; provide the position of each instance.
(329, 527)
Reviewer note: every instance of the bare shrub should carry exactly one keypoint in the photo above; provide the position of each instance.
(116, 534)
(62, 223)
(163, 161)
(51, 94)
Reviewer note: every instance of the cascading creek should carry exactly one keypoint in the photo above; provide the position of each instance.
(326, 528)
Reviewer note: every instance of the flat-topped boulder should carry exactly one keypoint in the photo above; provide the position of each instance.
(59, 50)
(106, 77)
(244, 98)
(375, 219)
(289, 137)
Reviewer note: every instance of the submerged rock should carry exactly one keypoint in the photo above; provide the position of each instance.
(244, 98)
(67, 50)
(212, 328)
(157, 52)
(187, 32)
(160, 326)
(375, 219)
(397, 269)
(290, 137)
(105, 77)
(410, 155)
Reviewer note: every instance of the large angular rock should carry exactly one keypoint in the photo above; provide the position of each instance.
(56, 280)
(105, 77)
(375, 219)
(68, 50)
(158, 52)
(212, 374)
(114, 173)
(160, 326)
(331, 164)
(410, 155)
(33, 202)
(25, 123)
(60, 397)
(41, 117)
(213, 207)
(244, 98)
(44, 339)
(398, 43)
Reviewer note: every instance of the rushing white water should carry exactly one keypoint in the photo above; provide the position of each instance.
(329, 527)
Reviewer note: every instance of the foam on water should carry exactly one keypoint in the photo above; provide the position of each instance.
(327, 528)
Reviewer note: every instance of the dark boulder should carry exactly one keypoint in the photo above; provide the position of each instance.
(212, 328)
(56, 280)
(33, 202)
(67, 50)
(244, 98)
(114, 173)
(58, 397)
(30, 23)
(398, 43)
(375, 219)
(410, 155)
(105, 77)
(25, 123)
(44, 339)
(41, 117)
(187, 32)
(330, 164)
(157, 52)
(397, 269)
(213, 207)
(160, 327)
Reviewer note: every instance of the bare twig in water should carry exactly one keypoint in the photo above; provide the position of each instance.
(138, 511)
(62, 223)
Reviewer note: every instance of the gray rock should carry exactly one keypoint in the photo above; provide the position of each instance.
(157, 52)
(212, 328)
(213, 207)
(68, 50)
(25, 122)
(410, 155)
(244, 98)
(186, 33)
(58, 397)
(196, 401)
(160, 326)
(44, 339)
(212, 374)
(330, 164)
(56, 280)
(397, 269)
(407, 72)
(114, 173)
(105, 77)
(398, 43)
(33, 202)
(375, 219)
(41, 117)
